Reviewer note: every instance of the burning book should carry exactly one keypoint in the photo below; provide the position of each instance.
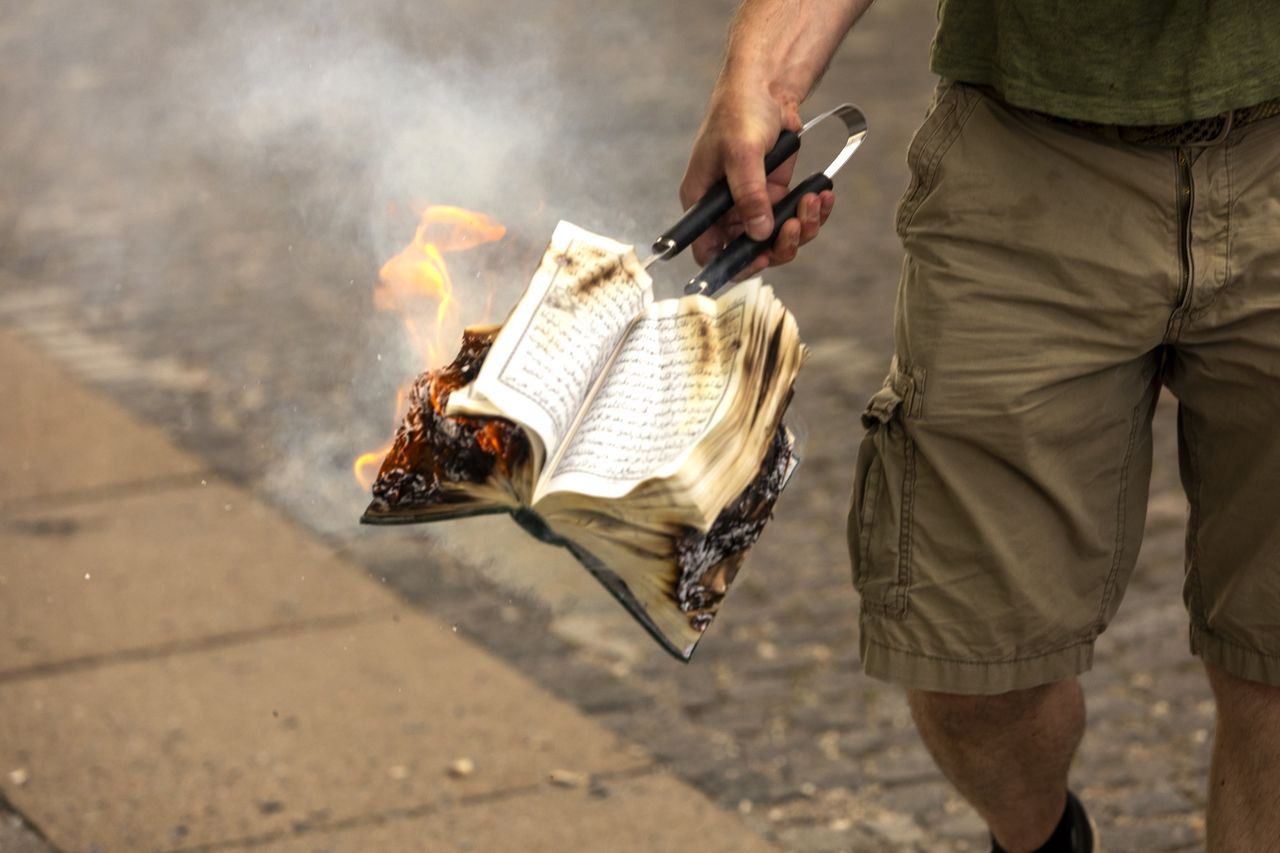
(643, 435)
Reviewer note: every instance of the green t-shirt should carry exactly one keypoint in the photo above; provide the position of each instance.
(1115, 61)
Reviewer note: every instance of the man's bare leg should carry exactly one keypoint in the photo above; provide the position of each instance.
(1008, 755)
(1244, 774)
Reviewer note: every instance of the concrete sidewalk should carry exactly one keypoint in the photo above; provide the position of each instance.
(181, 668)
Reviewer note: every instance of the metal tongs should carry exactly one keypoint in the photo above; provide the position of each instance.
(739, 254)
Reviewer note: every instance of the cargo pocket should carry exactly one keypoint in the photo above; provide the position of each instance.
(879, 524)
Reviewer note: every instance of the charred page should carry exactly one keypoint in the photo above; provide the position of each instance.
(643, 436)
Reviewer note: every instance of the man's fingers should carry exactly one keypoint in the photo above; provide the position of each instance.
(783, 251)
(744, 168)
(776, 185)
(809, 212)
(784, 248)
(704, 169)
(828, 201)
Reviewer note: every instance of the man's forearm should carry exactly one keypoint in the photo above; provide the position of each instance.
(785, 45)
(777, 51)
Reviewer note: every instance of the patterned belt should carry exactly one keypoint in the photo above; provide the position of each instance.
(1196, 133)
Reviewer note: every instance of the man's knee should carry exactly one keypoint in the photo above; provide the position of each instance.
(967, 713)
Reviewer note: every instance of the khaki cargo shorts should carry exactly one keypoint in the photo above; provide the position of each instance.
(1055, 279)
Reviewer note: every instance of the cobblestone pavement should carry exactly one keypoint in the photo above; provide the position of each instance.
(195, 198)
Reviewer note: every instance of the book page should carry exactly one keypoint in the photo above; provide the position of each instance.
(662, 392)
(561, 334)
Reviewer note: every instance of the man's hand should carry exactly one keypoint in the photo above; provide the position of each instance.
(740, 126)
(777, 51)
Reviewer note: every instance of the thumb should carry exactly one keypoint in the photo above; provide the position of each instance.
(744, 169)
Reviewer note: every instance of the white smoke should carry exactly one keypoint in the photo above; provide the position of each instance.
(370, 120)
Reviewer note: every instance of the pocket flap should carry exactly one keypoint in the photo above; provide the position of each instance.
(901, 388)
(881, 407)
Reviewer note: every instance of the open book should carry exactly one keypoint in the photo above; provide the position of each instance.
(645, 436)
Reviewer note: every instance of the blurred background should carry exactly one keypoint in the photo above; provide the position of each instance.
(199, 647)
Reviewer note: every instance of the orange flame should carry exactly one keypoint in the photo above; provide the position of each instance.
(367, 464)
(415, 284)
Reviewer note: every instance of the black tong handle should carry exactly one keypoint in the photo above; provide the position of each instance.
(739, 254)
(717, 201)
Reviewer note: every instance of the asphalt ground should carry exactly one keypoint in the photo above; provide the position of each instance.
(194, 203)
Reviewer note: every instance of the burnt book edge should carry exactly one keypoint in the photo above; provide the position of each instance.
(621, 593)
(387, 519)
(537, 527)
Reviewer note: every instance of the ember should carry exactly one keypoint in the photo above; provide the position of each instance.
(432, 451)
